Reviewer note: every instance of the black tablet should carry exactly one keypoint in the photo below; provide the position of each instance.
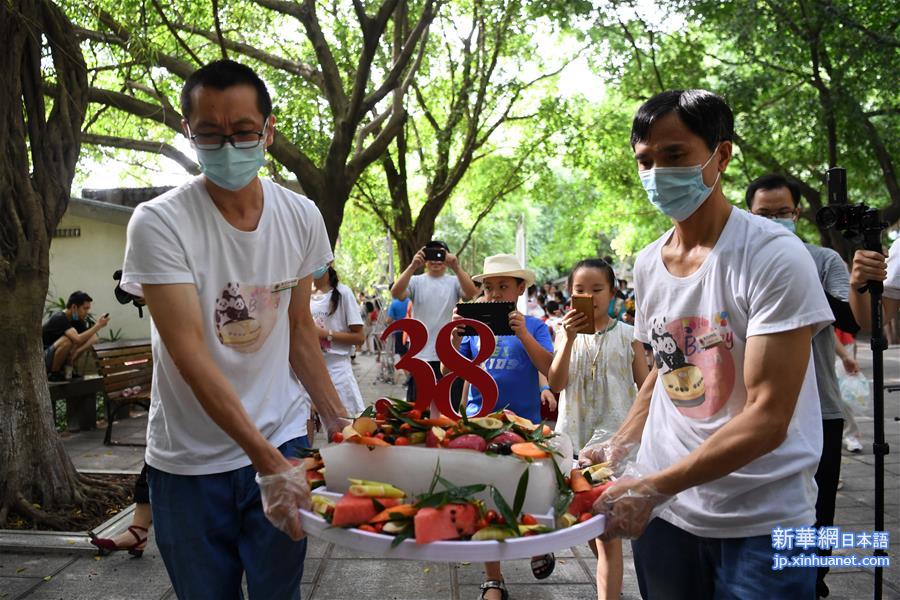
(493, 314)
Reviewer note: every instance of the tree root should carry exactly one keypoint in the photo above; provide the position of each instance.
(37, 516)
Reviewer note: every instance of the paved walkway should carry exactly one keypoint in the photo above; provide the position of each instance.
(73, 572)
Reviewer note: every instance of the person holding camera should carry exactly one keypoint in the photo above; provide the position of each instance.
(433, 295)
(66, 336)
(872, 266)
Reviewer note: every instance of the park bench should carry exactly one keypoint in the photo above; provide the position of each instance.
(126, 370)
(81, 401)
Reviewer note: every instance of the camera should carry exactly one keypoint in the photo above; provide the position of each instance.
(861, 224)
(124, 297)
(435, 254)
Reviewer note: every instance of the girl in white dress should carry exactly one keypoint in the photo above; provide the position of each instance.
(340, 327)
(596, 375)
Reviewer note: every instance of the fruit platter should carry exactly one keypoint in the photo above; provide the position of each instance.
(403, 484)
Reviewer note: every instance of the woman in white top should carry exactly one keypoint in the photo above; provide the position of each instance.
(336, 313)
(596, 374)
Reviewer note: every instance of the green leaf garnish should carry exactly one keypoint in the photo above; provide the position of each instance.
(519, 500)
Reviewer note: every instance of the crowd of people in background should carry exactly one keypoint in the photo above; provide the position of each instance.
(714, 354)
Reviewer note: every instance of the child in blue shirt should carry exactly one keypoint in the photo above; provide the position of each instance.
(514, 365)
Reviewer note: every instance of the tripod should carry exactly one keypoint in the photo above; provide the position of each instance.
(863, 225)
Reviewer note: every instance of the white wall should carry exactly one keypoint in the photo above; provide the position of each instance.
(87, 263)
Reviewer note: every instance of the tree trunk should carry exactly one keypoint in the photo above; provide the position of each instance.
(38, 153)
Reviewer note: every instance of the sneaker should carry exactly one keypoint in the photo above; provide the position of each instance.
(852, 444)
(67, 372)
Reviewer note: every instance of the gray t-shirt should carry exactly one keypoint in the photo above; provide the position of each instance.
(433, 300)
(836, 281)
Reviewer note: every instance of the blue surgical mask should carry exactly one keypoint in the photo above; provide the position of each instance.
(787, 224)
(319, 272)
(677, 191)
(229, 167)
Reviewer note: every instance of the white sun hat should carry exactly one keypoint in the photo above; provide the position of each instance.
(505, 265)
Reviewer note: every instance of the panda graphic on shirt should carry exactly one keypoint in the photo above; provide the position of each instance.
(245, 315)
(682, 381)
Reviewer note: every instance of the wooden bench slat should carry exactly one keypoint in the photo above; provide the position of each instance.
(123, 361)
(124, 365)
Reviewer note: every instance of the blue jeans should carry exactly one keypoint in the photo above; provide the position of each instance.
(210, 529)
(673, 564)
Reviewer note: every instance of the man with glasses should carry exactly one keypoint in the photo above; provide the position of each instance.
(224, 264)
(777, 198)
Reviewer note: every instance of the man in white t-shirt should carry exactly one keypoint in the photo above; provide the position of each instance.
(728, 420)
(224, 264)
(872, 266)
(434, 294)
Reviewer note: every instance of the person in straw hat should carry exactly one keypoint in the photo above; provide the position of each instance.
(514, 365)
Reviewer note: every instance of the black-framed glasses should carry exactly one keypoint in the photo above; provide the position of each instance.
(243, 140)
(784, 213)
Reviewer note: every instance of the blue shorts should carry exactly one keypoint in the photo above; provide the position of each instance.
(673, 564)
(211, 529)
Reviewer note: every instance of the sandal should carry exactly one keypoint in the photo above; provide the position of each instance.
(542, 566)
(107, 545)
(494, 584)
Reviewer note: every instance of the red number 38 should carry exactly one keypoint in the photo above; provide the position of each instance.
(428, 389)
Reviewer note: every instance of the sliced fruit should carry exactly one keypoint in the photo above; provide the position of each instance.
(583, 501)
(417, 437)
(322, 505)
(546, 431)
(440, 421)
(314, 479)
(522, 422)
(434, 437)
(394, 513)
(492, 533)
(365, 425)
(469, 441)
(486, 422)
(376, 490)
(528, 519)
(368, 441)
(448, 522)
(528, 450)
(566, 520)
(349, 433)
(356, 510)
(598, 472)
(507, 437)
(395, 527)
(578, 482)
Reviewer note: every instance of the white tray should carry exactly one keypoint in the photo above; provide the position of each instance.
(462, 551)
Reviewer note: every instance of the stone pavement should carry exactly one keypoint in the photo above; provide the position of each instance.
(71, 570)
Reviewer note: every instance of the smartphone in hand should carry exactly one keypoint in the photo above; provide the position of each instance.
(584, 303)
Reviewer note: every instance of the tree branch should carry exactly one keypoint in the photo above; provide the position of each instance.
(333, 83)
(162, 148)
(305, 71)
(174, 33)
(218, 24)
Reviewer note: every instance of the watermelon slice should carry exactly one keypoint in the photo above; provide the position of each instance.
(448, 522)
(583, 501)
(314, 479)
(356, 510)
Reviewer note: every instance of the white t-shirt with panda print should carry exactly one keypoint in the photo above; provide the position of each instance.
(244, 281)
(757, 280)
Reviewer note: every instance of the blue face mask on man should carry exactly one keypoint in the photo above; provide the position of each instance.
(787, 224)
(677, 191)
(229, 167)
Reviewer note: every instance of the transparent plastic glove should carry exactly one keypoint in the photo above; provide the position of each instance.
(629, 505)
(283, 494)
(603, 448)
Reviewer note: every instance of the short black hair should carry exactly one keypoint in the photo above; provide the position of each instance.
(594, 263)
(223, 74)
(772, 181)
(552, 306)
(438, 244)
(704, 113)
(78, 298)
